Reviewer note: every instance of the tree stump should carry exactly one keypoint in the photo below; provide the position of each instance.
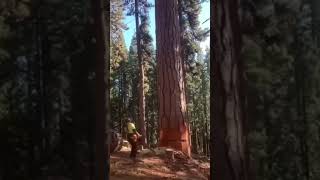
(170, 154)
(116, 141)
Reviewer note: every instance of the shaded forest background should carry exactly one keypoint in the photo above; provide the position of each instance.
(47, 85)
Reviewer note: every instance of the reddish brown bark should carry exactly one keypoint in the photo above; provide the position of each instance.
(174, 129)
(228, 109)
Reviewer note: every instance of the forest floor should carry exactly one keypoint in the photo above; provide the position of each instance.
(157, 164)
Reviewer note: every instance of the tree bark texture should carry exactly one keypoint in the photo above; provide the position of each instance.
(102, 77)
(315, 5)
(302, 112)
(228, 109)
(142, 112)
(174, 129)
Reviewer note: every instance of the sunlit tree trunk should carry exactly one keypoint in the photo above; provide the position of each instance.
(229, 106)
(174, 128)
(142, 111)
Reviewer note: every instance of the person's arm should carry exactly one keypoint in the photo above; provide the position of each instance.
(136, 132)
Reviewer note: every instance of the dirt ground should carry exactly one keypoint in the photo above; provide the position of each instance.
(156, 166)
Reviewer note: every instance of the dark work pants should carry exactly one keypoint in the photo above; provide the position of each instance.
(133, 140)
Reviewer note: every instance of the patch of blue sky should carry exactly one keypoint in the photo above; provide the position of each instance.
(130, 22)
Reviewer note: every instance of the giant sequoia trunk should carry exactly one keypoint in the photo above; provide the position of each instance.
(174, 129)
(228, 109)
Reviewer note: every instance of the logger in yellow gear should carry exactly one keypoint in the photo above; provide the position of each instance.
(133, 138)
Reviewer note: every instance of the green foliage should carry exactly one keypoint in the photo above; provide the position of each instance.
(280, 68)
(191, 33)
(37, 116)
(132, 73)
(196, 69)
(117, 46)
(198, 94)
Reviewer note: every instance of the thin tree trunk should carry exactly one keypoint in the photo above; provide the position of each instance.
(44, 72)
(207, 133)
(38, 77)
(174, 128)
(194, 139)
(315, 5)
(229, 107)
(301, 110)
(194, 131)
(197, 139)
(204, 143)
(268, 126)
(142, 123)
(102, 93)
(34, 123)
(182, 51)
(302, 116)
(305, 131)
(120, 104)
(124, 99)
(37, 114)
(205, 111)
(32, 119)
